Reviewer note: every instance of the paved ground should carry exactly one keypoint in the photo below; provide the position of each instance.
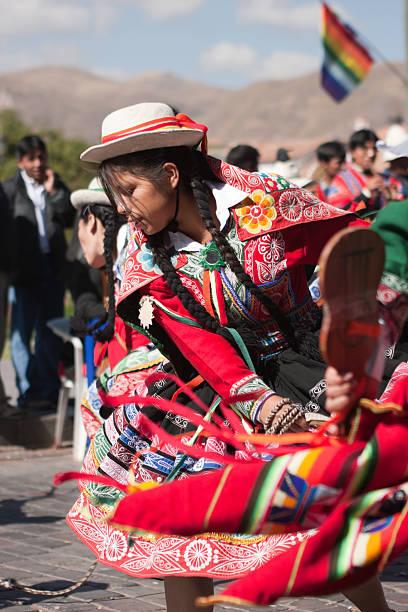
(38, 548)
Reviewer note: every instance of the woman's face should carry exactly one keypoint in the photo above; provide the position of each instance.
(140, 200)
(91, 234)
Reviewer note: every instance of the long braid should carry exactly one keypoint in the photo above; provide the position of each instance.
(111, 223)
(230, 257)
(162, 259)
(193, 169)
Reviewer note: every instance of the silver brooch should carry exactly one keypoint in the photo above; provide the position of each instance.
(146, 314)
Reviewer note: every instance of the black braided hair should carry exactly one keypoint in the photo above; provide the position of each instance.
(193, 169)
(162, 259)
(230, 257)
(111, 221)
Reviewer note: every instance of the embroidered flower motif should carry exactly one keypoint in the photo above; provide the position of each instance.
(291, 206)
(270, 183)
(258, 216)
(277, 247)
(145, 258)
(275, 182)
(198, 554)
(116, 546)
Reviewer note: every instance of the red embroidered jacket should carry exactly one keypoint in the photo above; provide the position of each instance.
(275, 231)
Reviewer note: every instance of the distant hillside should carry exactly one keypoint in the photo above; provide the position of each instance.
(268, 114)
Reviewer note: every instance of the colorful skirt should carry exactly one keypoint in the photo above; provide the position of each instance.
(123, 449)
(120, 443)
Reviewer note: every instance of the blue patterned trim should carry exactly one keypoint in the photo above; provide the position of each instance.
(306, 313)
(235, 299)
(256, 408)
(131, 440)
(272, 340)
(229, 224)
(164, 464)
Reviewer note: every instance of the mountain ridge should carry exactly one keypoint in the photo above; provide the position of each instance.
(266, 114)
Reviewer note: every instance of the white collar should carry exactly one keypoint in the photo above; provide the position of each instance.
(225, 197)
(30, 181)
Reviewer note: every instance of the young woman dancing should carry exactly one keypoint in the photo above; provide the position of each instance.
(215, 276)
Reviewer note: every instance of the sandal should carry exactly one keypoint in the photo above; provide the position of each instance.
(350, 268)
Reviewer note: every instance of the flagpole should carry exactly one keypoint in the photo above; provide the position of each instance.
(406, 60)
(367, 43)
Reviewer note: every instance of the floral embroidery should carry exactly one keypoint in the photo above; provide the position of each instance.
(115, 546)
(197, 554)
(291, 205)
(249, 384)
(277, 247)
(145, 258)
(269, 183)
(275, 182)
(259, 217)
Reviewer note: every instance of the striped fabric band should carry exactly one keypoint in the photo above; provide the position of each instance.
(161, 124)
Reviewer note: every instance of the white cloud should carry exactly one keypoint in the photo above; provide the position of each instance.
(281, 13)
(37, 16)
(169, 9)
(231, 57)
(45, 55)
(286, 65)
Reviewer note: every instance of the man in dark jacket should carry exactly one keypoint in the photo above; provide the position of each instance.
(40, 210)
(5, 225)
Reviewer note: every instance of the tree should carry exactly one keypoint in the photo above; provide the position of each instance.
(63, 153)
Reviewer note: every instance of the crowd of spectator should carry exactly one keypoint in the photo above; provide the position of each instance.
(36, 268)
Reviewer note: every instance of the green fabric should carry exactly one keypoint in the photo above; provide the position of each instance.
(235, 334)
(391, 224)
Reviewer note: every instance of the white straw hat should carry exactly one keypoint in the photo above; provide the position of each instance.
(93, 195)
(149, 125)
(395, 144)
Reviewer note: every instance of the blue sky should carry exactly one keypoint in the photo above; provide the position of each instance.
(227, 43)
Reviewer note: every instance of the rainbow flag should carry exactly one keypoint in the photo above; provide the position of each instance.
(346, 62)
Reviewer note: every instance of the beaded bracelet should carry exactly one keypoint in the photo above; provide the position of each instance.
(274, 410)
(286, 419)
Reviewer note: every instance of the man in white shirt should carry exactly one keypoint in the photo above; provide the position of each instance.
(40, 209)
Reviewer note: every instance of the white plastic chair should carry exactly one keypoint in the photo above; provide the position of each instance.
(61, 327)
